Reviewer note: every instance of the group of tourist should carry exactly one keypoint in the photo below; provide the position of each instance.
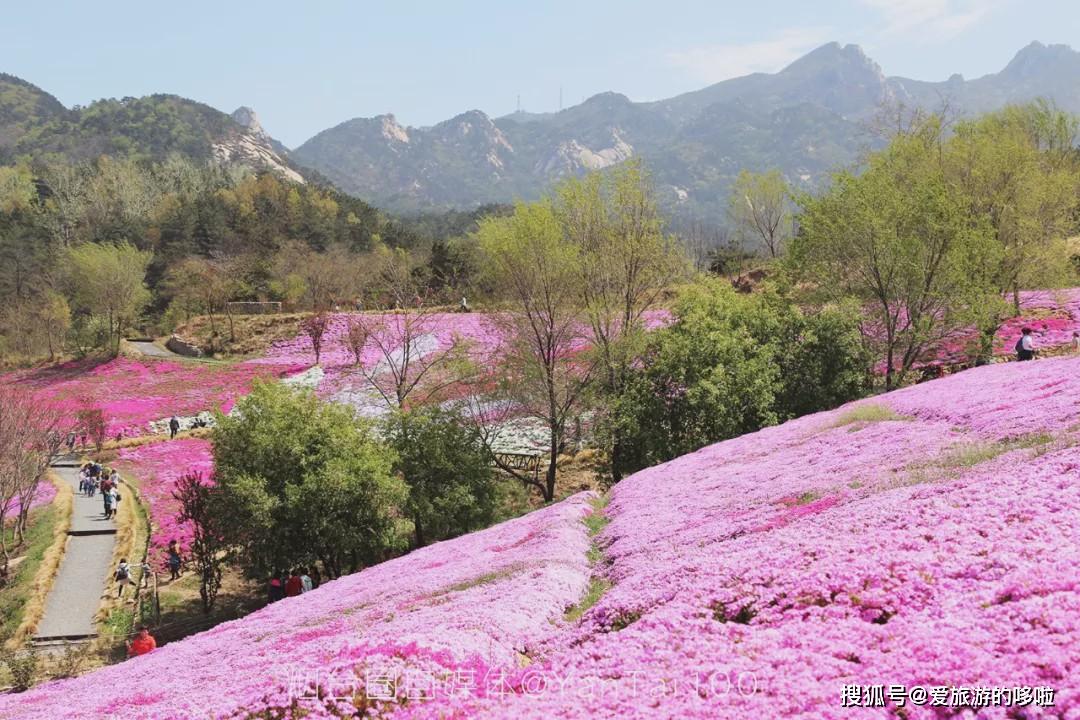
(1026, 349)
(93, 477)
(293, 583)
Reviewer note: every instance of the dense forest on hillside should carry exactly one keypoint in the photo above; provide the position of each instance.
(257, 229)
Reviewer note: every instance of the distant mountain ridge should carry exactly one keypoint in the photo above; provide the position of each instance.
(804, 120)
(34, 123)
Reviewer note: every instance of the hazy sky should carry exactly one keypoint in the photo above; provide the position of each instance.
(306, 66)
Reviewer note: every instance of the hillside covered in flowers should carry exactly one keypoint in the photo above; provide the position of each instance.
(925, 540)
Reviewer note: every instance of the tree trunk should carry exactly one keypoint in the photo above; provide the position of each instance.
(3, 551)
(419, 532)
(553, 460)
(616, 457)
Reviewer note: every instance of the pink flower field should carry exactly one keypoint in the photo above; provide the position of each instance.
(454, 609)
(480, 335)
(907, 554)
(1053, 316)
(132, 393)
(156, 467)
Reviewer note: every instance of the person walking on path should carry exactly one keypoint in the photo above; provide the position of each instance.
(106, 501)
(305, 581)
(174, 560)
(174, 427)
(1025, 346)
(111, 499)
(122, 576)
(106, 487)
(70, 441)
(142, 643)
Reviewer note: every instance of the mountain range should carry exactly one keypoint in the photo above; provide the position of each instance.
(814, 115)
(805, 120)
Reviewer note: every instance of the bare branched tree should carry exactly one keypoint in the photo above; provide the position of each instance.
(413, 364)
(31, 433)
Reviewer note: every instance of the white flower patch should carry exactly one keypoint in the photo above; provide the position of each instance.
(308, 380)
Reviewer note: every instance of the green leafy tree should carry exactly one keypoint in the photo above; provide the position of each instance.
(898, 241)
(1017, 171)
(207, 286)
(730, 364)
(447, 468)
(108, 281)
(625, 264)
(305, 481)
(536, 270)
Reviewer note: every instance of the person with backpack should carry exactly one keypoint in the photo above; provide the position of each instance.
(122, 576)
(1025, 346)
(174, 560)
(174, 427)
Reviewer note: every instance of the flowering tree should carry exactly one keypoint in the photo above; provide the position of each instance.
(31, 432)
(199, 510)
(411, 362)
(314, 326)
(355, 339)
(90, 422)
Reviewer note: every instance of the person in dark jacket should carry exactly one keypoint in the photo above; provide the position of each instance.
(276, 587)
(1025, 346)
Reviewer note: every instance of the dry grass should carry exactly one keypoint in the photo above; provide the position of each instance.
(50, 564)
(254, 333)
(132, 535)
(112, 445)
(868, 413)
(953, 461)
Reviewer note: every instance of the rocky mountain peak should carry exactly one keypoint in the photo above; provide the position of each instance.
(1038, 59)
(834, 57)
(246, 117)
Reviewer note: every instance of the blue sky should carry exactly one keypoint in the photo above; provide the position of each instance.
(306, 66)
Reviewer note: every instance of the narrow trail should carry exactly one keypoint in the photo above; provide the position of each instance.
(80, 582)
(153, 350)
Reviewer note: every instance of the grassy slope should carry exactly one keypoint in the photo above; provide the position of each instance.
(23, 599)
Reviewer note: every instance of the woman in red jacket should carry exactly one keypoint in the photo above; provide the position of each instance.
(294, 585)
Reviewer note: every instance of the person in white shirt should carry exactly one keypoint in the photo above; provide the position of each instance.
(1025, 346)
(305, 581)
